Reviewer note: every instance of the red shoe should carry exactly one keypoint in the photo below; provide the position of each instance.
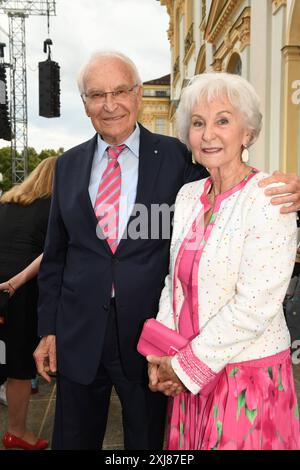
(13, 442)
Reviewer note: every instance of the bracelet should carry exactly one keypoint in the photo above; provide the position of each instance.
(11, 286)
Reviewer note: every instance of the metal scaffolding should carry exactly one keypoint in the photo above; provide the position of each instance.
(17, 11)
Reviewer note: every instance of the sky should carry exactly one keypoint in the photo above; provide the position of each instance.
(138, 28)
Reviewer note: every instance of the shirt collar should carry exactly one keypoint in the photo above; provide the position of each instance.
(132, 142)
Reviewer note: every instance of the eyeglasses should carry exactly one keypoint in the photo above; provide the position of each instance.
(96, 97)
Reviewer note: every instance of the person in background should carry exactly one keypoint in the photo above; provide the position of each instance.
(17, 281)
(24, 212)
(231, 260)
(97, 282)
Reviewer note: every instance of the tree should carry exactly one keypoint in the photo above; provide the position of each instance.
(50, 153)
(34, 159)
(5, 168)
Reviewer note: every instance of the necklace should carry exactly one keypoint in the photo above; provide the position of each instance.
(212, 192)
(211, 196)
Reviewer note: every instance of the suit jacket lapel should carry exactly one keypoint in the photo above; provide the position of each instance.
(86, 168)
(149, 165)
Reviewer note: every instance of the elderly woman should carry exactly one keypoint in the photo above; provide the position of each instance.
(232, 255)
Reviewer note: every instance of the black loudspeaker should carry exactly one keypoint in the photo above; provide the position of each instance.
(5, 127)
(49, 89)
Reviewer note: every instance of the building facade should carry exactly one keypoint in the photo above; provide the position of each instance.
(155, 110)
(257, 39)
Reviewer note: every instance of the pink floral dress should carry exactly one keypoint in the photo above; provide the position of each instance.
(251, 406)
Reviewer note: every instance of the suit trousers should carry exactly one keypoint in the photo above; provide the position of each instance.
(82, 410)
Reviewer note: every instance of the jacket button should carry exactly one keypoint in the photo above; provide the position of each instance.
(105, 307)
(116, 261)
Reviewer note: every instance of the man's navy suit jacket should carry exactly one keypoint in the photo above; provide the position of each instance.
(79, 269)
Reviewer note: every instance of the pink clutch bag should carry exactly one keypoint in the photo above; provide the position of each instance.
(159, 340)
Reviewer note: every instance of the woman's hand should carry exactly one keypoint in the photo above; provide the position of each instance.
(4, 287)
(290, 191)
(162, 377)
(9, 287)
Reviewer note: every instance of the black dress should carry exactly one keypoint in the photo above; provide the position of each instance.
(22, 236)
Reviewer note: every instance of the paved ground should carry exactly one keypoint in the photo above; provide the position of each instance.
(41, 412)
(42, 409)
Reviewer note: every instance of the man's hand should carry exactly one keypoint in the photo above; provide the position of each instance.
(291, 190)
(45, 356)
(162, 377)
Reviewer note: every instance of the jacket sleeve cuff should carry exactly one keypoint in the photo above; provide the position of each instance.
(192, 372)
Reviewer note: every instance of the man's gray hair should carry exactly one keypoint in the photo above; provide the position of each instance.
(100, 55)
(212, 85)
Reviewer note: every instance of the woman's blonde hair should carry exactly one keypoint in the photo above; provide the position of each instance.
(36, 186)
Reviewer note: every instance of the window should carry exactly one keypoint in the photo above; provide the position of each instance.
(235, 64)
(156, 93)
(162, 93)
(161, 126)
(148, 92)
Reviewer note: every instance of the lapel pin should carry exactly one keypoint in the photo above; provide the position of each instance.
(156, 152)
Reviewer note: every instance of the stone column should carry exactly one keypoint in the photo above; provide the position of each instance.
(291, 110)
(278, 19)
(260, 76)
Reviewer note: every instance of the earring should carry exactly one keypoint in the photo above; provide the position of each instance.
(245, 155)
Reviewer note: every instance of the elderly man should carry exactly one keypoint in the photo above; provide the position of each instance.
(101, 277)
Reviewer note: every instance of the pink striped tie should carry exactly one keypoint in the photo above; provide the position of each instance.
(108, 197)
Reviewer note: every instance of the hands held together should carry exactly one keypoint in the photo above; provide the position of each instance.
(162, 377)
